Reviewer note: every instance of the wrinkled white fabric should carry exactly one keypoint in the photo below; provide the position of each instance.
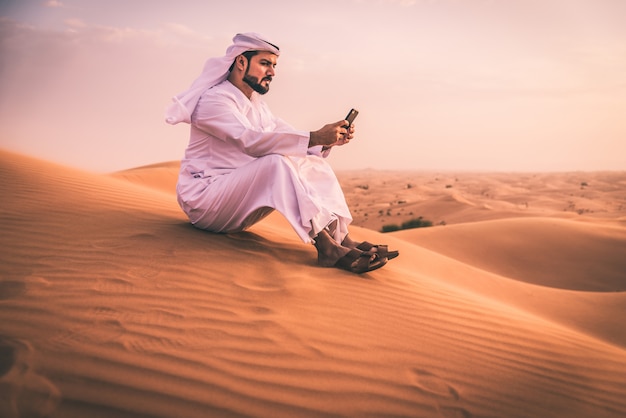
(241, 160)
(215, 71)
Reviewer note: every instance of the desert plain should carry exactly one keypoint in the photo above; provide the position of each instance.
(511, 304)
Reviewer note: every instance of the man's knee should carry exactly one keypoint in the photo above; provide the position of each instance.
(275, 163)
(273, 159)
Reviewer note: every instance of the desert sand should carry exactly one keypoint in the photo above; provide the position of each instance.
(511, 305)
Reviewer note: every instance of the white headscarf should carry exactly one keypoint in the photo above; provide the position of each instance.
(215, 71)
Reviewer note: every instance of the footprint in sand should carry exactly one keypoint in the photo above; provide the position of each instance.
(16, 285)
(446, 397)
(24, 392)
(10, 289)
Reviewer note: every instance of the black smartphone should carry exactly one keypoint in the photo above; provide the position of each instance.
(351, 116)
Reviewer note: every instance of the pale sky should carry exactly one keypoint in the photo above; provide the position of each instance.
(486, 85)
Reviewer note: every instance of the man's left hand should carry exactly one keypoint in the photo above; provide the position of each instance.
(346, 137)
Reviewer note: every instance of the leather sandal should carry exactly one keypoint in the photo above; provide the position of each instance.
(360, 261)
(381, 250)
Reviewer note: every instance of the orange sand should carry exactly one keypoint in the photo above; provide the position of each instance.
(112, 305)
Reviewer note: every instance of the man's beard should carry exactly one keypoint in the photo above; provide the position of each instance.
(254, 83)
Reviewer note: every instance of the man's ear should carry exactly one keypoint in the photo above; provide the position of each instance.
(241, 62)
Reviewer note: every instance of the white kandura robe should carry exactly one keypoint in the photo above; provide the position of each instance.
(241, 160)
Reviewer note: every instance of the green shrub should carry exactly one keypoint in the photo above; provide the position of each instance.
(413, 223)
(416, 223)
(390, 228)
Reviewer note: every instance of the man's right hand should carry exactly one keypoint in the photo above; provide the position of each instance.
(329, 134)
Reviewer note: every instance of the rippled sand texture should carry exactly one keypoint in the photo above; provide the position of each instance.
(112, 305)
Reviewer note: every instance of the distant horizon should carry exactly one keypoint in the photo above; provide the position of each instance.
(337, 170)
(441, 85)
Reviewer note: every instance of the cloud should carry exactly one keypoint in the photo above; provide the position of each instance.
(53, 3)
(94, 90)
(177, 32)
(97, 91)
(75, 23)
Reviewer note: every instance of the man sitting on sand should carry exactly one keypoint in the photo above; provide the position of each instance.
(242, 162)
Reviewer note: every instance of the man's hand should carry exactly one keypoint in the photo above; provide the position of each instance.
(332, 134)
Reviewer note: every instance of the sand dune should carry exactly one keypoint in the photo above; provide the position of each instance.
(382, 198)
(112, 305)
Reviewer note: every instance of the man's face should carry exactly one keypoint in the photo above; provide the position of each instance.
(260, 71)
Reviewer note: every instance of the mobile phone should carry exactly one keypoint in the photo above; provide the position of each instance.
(351, 116)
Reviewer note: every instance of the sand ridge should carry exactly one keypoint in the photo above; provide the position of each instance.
(381, 198)
(112, 305)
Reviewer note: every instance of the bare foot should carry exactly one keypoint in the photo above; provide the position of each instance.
(328, 251)
(349, 243)
(329, 258)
